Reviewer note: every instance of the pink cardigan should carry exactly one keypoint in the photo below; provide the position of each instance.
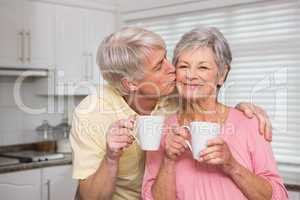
(196, 181)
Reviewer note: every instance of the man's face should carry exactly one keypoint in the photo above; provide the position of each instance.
(159, 75)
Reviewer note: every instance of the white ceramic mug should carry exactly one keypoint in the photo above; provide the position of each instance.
(149, 131)
(201, 132)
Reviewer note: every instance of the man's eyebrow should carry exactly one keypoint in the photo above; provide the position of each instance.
(160, 61)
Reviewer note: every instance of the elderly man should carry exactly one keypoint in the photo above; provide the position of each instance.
(107, 161)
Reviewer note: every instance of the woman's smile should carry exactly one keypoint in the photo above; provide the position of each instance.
(191, 86)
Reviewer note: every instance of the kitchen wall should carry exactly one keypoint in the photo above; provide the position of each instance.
(17, 122)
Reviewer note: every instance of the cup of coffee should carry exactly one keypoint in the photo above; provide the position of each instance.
(201, 132)
(149, 131)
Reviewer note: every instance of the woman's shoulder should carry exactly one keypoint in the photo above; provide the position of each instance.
(238, 117)
(242, 124)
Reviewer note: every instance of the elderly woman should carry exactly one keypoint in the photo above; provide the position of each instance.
(238, 164)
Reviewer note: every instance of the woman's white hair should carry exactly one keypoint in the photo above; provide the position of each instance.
(123, 55)
(209, 37)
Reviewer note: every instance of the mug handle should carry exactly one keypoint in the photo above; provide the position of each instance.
(186, 141)
(135, 129)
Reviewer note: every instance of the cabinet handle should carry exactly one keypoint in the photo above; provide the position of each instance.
(22, 46)
(91, 66)
(29, 46)
(48, 189)
(86, 65)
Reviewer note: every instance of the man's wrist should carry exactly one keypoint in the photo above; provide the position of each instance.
(111, 161)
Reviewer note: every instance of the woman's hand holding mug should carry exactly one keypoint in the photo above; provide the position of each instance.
(218, 153)
(175, 143)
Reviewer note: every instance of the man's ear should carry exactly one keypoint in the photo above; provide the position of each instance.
(129, 85)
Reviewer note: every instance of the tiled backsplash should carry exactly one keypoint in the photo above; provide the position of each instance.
(17, 125)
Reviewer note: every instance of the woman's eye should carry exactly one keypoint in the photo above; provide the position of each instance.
(182, 67)
(202, 67)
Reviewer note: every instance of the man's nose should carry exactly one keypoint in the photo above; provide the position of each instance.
(169, 67)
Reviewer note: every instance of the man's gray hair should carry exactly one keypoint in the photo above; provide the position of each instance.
(123, 54)
(205, 37)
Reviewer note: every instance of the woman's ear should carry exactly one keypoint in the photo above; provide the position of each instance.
(223, 76)
(129, 85)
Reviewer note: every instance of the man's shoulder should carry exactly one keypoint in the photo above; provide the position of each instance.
(102, 100)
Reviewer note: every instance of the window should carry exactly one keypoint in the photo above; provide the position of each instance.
(265, 41)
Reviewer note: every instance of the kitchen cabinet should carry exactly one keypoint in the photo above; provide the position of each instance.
(50, 183)
(40, 34)
(60, 38)
(70, 41)
(11, 33)
(26, 34)
(58, 183)
(99, 25)
(21, 185)
(79, 32)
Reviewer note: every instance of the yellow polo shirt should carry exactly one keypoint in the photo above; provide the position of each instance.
(91, 120)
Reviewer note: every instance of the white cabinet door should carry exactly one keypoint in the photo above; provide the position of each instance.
(58, 183)
(70, 44)
(21, 185)
(78, 34)
(40, 34)
(100, 25)
(11, 33)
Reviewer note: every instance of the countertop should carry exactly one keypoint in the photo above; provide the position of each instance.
(67, 160)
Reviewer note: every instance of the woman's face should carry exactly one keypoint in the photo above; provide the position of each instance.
(197, 74)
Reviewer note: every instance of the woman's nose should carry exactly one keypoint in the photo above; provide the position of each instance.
(190, 74)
